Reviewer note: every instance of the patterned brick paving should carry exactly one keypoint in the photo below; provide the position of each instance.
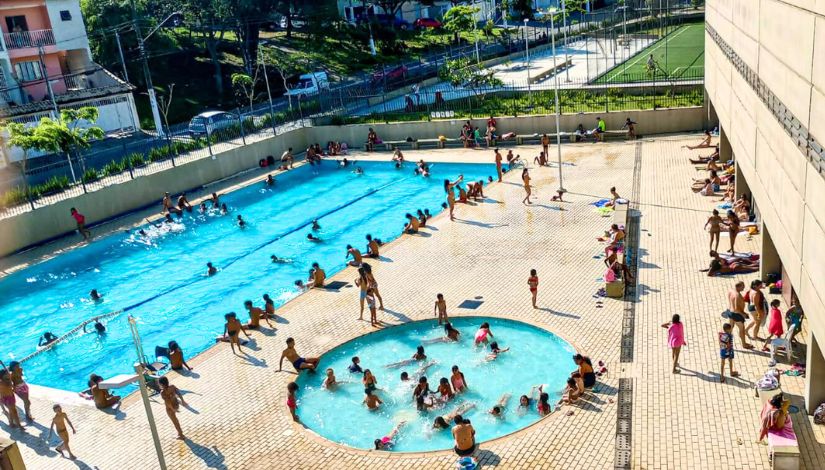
(683, 421)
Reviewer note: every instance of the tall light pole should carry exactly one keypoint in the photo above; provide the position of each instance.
(556, 93)
(144, 392)
(564, 20)
(527, 52)
(268, 92)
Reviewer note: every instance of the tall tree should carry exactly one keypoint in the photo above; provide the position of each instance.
(73, 130)
(459, 18)
(206, 17)
(391, 7)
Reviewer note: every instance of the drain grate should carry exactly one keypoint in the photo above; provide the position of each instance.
(624, 425)
(335, 285)
(470, 304)
(624, 413)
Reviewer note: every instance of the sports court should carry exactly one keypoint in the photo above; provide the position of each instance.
(680, 54)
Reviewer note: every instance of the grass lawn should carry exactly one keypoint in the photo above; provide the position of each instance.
(685, 57)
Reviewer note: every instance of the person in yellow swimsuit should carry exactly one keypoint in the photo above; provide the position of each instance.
(59, 424)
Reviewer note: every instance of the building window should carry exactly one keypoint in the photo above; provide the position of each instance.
(65, 15)
(16, 24)
(28, 71)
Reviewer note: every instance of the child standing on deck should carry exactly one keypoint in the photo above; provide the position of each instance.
(675, 339)
(441, 308)
(371, 304)
(726, 351)
(533, 282)
(59, 424)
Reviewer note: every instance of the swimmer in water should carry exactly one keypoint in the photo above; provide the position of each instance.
(203, 208)
(315, 226)
(224, 209)
(211, 270)
(270, 181)
(343, 162)
(241, 222)
(275, 259)
(143, 233)
(215, 202)
(359, 171)
(47, 338)
(495, 351)
(498, 410)
(313, 238)
(99, 328)
(95, 295)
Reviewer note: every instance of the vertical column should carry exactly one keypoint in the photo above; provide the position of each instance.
(815, 375)
(770, 261)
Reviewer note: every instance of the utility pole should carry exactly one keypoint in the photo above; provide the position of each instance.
(153, 101)
(122, 61)
(54, 103)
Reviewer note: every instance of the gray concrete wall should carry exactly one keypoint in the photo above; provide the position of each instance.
(660, 121)
(46, 223)
(788, 190)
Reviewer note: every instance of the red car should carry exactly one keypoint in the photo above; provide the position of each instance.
(394, 74)
(431, 23)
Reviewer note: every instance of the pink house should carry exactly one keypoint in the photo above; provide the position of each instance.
(46, 65)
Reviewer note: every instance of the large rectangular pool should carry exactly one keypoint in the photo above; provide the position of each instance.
(160, 279)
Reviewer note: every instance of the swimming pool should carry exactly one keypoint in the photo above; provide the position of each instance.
(162, 281)
(536, 357)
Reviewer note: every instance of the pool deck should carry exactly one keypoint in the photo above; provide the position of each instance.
(238, 418)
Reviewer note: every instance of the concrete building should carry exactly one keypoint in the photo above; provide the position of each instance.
(765, 79)
(45, 65)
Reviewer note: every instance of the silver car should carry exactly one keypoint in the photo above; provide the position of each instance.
(211, 121)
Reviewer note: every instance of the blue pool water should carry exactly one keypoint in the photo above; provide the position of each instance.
(536, 357)
(162, 281)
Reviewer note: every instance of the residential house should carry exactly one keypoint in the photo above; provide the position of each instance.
(46, 65)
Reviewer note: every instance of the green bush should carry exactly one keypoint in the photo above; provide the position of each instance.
(55, 184)
(13, 197)
(158, 154)
(113, 168)
(90, 176)
(136, 159)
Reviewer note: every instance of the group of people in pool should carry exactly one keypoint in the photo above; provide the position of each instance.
(426, 399)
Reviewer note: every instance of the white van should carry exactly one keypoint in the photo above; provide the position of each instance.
(211, 121)
(309, 84)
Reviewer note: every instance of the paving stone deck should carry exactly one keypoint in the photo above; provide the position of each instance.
(240, 420)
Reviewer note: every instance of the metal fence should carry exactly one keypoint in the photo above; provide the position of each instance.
(381, 98)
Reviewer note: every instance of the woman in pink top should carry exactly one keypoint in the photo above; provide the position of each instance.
(775, 328)
(675, 339)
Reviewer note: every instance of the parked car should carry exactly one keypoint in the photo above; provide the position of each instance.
(390, 75)
(309, 84)
(431, 23)
(211, 121)
(388, 21)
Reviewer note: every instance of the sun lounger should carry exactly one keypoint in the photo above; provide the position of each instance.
(784, 448)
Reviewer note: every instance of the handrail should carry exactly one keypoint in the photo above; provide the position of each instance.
(23, 39)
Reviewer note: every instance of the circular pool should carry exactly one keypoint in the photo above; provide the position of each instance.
(536, 357)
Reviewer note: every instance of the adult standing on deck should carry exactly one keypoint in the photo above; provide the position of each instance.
(449, 187)
(545, 144)
(736, 312)
(498, 165)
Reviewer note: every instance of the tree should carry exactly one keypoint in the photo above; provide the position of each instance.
(285, 64)
(206, 17)
(248, 15)
(524, 8)
(463, 72)
(459, 18)
(164, 103)
(72, 131)
(245, 86)
(391, 7)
